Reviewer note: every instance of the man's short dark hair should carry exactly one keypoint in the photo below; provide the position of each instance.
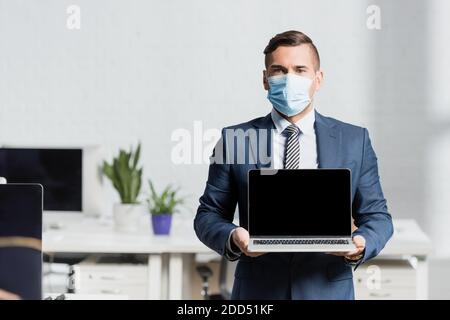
(291, 38)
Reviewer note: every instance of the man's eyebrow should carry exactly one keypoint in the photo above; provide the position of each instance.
(276, 66)
(301, 67)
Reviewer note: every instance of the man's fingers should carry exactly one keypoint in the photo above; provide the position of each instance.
(360, 244)
(339, 254)
(347, 253)
(359, 241)
(243, 245)
(254, 254)
(241, 239)
(5, 295)
(353, 253)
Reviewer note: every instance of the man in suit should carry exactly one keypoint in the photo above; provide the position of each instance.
(293, 135)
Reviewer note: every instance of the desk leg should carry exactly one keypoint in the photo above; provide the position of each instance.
(154, 276)
(422, 278)
(175, 276)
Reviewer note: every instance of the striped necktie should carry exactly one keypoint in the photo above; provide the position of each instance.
(292, 153)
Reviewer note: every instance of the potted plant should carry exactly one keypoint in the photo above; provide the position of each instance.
(126, 178)
(161, 207)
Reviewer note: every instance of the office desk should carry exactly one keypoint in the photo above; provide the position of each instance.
(75, 233)
(170, 257)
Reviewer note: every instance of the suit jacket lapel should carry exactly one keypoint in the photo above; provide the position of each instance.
(328, 140)
(261, 148)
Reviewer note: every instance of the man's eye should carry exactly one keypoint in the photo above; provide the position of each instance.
(276, 71)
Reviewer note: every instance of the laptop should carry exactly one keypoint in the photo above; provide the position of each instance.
(300, 210)
(20, 240)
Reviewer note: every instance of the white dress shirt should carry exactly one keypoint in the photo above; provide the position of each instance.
(307, 139)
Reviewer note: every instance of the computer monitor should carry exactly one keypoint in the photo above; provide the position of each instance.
(21, 239)
(58, 170)
(70, 176)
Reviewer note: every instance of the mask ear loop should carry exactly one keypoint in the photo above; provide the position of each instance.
(314, 79)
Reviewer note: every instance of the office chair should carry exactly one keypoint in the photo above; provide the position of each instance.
(226, 278)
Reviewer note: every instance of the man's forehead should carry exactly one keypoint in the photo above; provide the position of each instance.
(298, 55)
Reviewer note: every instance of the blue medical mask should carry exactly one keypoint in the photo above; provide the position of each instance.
(289, 94)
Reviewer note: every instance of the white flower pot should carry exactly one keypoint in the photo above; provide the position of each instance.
(127, 216)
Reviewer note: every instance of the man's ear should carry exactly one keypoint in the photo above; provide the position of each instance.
(319, 79)
(266, 84)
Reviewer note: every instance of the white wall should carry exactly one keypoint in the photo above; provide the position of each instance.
(437, 182)
(137, 70)
(410, 112)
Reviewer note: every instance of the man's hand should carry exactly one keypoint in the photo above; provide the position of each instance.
(360, 244)
(241, 238)
(6, 295)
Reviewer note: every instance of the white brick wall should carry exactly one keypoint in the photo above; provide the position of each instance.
(138, 70)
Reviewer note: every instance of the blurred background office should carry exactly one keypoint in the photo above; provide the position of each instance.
(141, 70)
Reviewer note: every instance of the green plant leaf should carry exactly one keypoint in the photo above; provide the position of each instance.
(136, 156)
(164, 203)
(124, 175)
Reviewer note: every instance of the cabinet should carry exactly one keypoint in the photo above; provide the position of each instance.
(386, 280)
(130, 280)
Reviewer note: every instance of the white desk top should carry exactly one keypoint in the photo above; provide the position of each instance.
(80, 234)
(408, 239)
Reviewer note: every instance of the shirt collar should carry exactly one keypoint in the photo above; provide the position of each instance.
(306, 124)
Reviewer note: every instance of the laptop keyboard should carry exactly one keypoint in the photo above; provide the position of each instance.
(303, 241)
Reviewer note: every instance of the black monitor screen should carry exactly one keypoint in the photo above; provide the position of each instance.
(58, 170)
(300, 203)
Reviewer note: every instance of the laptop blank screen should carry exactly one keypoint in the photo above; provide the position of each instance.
(296, 203)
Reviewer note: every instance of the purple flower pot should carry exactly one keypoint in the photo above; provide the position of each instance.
(161, 223)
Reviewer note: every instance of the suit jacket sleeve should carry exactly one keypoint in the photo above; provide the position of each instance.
(370, 211)
(213, 221)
